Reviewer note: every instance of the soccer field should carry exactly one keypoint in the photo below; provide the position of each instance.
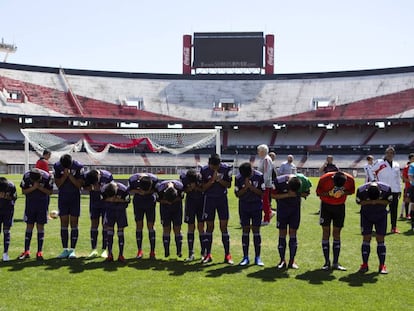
(172, 284)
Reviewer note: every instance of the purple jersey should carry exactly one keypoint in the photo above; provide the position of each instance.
(281, 186)
(121, 193)
(105, 177)
(257, 181)
(194, 194)
(134, 183)
(385, 194)
(37, 196)
(216, 190)
(11, 193)
(76, 170)
(162, 186)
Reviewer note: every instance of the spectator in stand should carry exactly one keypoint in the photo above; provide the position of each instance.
(287, 167)
(43, 162)
(328, 166)
(369, 173)
(388, 171)
(266, 168)
(406, 201)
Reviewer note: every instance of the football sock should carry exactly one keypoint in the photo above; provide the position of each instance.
(282, 247)
(245, 244)
(336, 248)
(293, 246)
(6, 240)
(381, 251)
(325, 249)
(40, 239)
(104, 239)
(190, 242)
(203, 243)
(225, 238)
(179, 243)
(365, 251)
(412, 217)
(94, 237)
(166, 242)
(257, 240)
(138, 237)
(27, 239)
(209, 242)
(110, 235)
(64, 235)
(151, 235)
(74, 233)
(121, 242)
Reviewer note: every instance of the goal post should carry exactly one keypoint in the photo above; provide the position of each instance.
(97, 142)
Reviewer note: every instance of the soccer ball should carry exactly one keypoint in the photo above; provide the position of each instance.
(54, 214)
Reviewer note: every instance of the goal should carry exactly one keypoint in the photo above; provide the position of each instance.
(97, 142)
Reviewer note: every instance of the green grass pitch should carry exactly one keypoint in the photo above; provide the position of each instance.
(172, 284)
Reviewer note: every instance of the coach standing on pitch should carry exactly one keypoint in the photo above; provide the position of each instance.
(388, 171)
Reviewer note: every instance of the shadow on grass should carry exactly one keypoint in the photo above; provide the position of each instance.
(226, 269)
(175, 267)
(78, 265)
(358, 279)
(409, 232)
(316, 277)
(270, 274)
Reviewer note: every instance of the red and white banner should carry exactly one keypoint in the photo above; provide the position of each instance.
(270, 54)
(187, 54)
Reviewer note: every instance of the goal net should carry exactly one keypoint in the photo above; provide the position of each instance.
(97, 142)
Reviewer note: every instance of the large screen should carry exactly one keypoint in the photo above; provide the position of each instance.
(228, 50)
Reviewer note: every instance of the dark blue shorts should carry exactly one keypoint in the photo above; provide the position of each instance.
(6, 216)
(332, 213)
(116, 216)
(250, 214)
(69, 204)
(373, 216)
(171, 214)
(96, 212)
(193, 210)
(35, 214)
(144, 206)
(288, 216)
(213, 204)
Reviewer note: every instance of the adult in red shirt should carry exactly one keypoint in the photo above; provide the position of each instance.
(333, 189)
(43, 162)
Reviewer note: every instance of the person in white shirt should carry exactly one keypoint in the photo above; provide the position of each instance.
(369, 173)
(388, 171)
(266, 168)
(287, 167)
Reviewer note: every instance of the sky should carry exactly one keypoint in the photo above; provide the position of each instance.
(146, 36)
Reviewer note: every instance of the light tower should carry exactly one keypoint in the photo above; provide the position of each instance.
(7, 48)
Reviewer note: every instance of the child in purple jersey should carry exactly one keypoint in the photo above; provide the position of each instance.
(170, 196)
(191, 181)
(37, 187)
(143, 187)
(216, 179)
(94, 180)
(8, 197)
(116, 199)
(288, 193)
(374, 198)
(249, 187)
(68, 178)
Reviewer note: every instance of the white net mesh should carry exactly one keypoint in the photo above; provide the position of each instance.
(98, 142)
